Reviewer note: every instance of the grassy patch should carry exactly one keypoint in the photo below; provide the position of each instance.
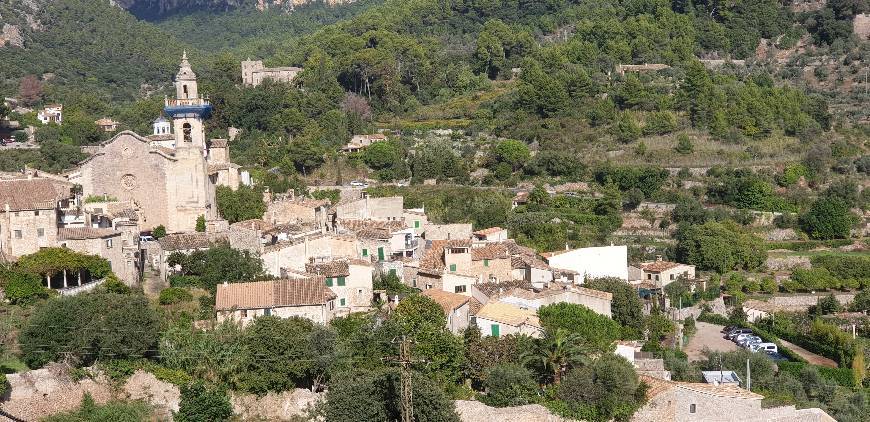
(11, 364)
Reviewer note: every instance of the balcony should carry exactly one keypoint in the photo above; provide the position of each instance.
(187, 107)
(186, 102)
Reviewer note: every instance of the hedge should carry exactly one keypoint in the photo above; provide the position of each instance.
(807, 245)
(712, 318)
(842, 376)
(173, 295)
(785, 351)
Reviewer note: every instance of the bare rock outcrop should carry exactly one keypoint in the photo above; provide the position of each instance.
(275, 407)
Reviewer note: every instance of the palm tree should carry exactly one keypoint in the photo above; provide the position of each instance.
(557, 352)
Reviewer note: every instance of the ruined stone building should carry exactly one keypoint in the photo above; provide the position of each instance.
(254, 73)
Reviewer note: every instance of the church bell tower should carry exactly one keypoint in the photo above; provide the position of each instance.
(188, 110)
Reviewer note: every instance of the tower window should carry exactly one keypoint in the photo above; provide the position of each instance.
(186, 129)
(184, 88)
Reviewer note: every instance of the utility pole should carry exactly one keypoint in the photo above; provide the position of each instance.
(748, 377)
(405, 361)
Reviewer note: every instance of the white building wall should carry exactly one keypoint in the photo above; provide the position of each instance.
(596, 262)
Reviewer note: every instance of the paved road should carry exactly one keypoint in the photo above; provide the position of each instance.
(809, 356)
(709, 336)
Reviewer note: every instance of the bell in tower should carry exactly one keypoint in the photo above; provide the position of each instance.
(187, 109)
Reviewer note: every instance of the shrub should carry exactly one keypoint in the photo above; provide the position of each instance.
(23, 288)
(607, 389)
(173, 295)
(178, 280)
(509, 384)
(828, 218)
(159, 231)
(201, 403)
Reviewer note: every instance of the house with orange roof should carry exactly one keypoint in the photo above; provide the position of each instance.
(306, 297)
(661, 272)
(499, 319)
(456, 308)
(492, 234)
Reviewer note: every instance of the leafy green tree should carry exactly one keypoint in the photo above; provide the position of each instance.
(684, 144)
(626, 129)
(374, 395)
(861, 302)
(306, 155)
(596, 333)
(89, 327)
(218, 264)
(608, 389)
(511, 152)
(22, 288)
(200, 223)
(719, 247)
(201, 403)
(159, 231)
(828, 218)
(245, 203)
(555, 353)
(277, 356)
(626, 307)
(483, 353)
(423, 320)
(509, 384)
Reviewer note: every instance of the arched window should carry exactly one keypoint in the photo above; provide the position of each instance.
(184, 88)
(186, 130)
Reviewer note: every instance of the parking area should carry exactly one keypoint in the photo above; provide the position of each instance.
(708, 336)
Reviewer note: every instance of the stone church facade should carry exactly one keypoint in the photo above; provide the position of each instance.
(169, 186)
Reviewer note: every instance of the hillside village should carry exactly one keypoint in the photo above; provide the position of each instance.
(371, 210)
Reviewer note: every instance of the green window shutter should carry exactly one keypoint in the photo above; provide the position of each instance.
(341, 302)
(341, 282)
(416, 224)
(494, 329)
(328, 281)
(485, 262)
(380, 254)
(365, 252)
(452, 267)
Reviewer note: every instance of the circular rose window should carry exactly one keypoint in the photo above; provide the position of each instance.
(128, 181)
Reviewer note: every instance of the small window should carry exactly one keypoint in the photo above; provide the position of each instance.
(267, 311)
(108, 243)
(365, 252)
(416, 224)
(692, 408)
(331, 305)
(18, 234)
(36, 213)
(40, 232)
(341, 302)
(328, 281)
(359, 291)
(244, 313)
(657, 277)
(452, 267)
(672, 276)
(341, 282)
(485, 262)
(494, 329)
(459, 289)
(649, 276)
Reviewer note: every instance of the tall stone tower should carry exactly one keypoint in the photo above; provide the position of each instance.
(189, 188)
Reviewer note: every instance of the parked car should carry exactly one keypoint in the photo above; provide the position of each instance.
(146, 238)
(729, 328)
(765, 347)
(749, 341)
(359, 184)
(740, 337)
(734, 333)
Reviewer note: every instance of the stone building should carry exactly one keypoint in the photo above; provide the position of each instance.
(350, 280)
(297, 210)
(52, 113)
(173, 186)
(306, 297)
(293, 254)
(661, 272)
(106, 243)
(498, 319)
(254, 73)
(366, 208)
(697, 402)
(455, 306)
(448, 231)
(28, 215)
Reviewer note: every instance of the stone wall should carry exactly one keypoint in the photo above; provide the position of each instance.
(861, 26)
(797, 301)
(29, 224)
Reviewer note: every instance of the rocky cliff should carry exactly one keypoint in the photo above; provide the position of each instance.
(161, 7)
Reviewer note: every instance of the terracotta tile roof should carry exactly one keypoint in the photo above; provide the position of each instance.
(433, 258)
(371, 229)
(357, 261)
(658, 386)
(31, 194)
(329, 269)
(489, 231)
(508, 314)
(515, 249)
(122, 209)
(218, 143)
(525, 261)
(273, 293)
(594, 293)
(474, 306)
(448, 301)
(185, 241)
(494, 251)
(659, 266)
(81, 233)
(493, 290)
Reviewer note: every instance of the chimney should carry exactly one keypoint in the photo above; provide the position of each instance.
(658, 258)
(226, 283)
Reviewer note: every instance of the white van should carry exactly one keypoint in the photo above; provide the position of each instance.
(765, 347)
